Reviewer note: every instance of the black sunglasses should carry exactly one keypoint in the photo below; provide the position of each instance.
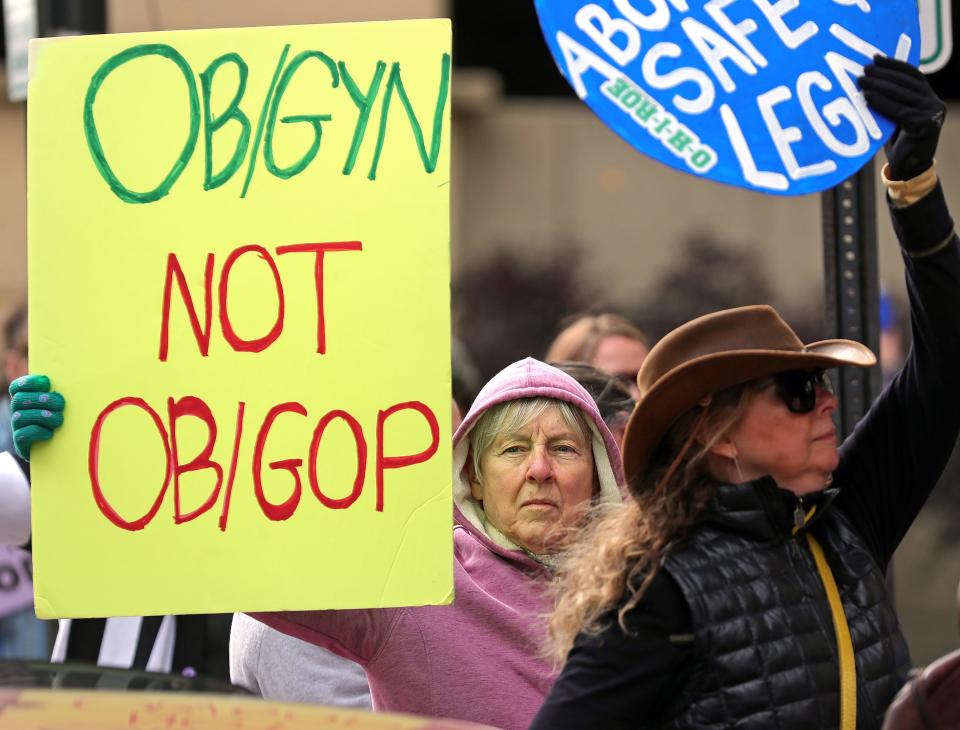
(798, 388)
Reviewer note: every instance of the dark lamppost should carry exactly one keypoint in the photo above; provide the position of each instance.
(852, 286)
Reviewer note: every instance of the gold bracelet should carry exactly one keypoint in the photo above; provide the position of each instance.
(908, 192)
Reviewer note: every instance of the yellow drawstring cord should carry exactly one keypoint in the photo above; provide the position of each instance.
(848, 666)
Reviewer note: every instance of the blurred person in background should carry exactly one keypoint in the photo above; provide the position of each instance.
(608, 391)
(606, 341)
(891, 353)
(465, 379)
(14, 365)
(22, 635)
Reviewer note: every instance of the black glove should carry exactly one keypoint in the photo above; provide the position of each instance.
(902, 94)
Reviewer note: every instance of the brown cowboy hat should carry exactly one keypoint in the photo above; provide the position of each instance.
(714, 352)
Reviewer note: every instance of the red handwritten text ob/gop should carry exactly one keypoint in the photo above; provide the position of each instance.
(193, 406)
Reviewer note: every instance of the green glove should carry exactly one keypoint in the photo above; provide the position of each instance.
(35, 412)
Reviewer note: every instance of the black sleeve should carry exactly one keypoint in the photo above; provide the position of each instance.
(625, 680)
(896, 454)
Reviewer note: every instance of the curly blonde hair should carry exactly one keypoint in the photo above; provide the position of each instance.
(623, 546)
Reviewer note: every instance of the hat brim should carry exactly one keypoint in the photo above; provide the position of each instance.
(680, 389)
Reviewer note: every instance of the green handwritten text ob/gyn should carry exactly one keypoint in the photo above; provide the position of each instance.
(206, 122)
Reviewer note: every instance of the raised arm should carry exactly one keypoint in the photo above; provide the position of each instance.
(892, 461)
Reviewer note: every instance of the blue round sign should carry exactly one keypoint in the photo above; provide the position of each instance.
(760, 94)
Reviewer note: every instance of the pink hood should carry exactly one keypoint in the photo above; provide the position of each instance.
(530, 378)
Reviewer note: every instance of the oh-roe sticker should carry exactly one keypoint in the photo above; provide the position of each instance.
(759, 94)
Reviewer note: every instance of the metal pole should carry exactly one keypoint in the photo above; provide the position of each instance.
(852, 287)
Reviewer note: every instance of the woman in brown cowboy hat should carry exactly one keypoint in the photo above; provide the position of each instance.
(744, 585)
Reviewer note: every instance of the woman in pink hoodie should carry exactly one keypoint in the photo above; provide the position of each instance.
(531, 455)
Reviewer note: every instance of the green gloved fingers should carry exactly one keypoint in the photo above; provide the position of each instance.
(37, 417)
(35, 412)
(30, 383)
(25, 438)
(27, 400)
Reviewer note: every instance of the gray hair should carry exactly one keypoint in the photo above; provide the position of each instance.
(511, 416)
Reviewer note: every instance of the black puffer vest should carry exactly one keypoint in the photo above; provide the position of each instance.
(765, 653)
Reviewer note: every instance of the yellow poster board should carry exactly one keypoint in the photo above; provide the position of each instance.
(239, 279)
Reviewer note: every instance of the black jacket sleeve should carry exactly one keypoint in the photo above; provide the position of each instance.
(896, 454)
(619, 679)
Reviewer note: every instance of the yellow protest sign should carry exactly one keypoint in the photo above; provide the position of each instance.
(239, 279)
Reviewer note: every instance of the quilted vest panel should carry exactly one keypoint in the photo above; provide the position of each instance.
(764, 643)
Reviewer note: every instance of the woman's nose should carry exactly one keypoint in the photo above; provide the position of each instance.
(826, 401)
(540, 468)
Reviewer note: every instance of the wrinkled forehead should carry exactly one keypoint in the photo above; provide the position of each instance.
(550, 425)
(525, 416)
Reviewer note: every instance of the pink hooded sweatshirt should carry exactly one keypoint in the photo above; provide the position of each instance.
(478, 658)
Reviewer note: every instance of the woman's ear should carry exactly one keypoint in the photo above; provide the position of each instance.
(724, 447)
(476, 489)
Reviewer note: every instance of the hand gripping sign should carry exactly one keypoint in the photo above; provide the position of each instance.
(239, 278)
(760, 94)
